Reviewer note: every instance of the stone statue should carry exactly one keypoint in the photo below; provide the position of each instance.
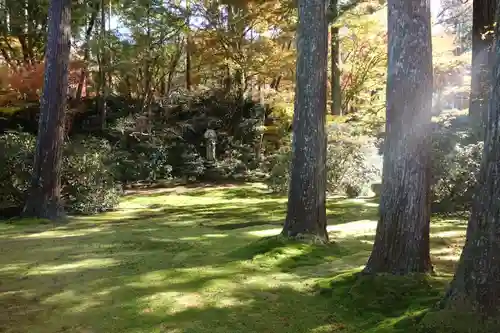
(211, 138)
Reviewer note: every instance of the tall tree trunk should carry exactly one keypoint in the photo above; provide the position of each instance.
(188, 47)
(44, 198)
(109, 58)
(476, 285)
(402, 237)
(335, 68)
(483, 18)
(86, 56)
(102, 67)
(306, 213)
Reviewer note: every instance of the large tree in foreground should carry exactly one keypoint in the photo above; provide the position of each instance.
(476, 285)
(402, 237)
(306, 213)
(44, 199)
(483, 19)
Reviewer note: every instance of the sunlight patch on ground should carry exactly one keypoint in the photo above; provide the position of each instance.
(329, 328)
(75, 266)
(358, 201)
(265, 232)
(355, 228)
(60, 233)
(13, 267)
(268, 280)
(185, 262)
(449, 234)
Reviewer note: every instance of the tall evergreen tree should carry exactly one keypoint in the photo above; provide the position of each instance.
(44, 198)
(476, 285)
(307, 194)
(483, 19)
(402, 237)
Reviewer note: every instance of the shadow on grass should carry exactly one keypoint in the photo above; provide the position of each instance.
(194, 266)
(383, 303)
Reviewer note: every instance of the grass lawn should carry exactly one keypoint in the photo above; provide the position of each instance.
(201, 260)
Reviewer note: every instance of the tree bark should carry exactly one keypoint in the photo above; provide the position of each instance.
(483, 18)
(335, 75)
(476, 285)
(188, 47)
(44, 200)
(86, 56)
(402, 236)
(102, 67)
(336, 106)
(306, 214)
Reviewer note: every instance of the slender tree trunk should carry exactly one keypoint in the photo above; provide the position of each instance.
(188, 47)
(86, 56)
(102, 67)
(402, 237)
(109, 58)
(476, 285)
(44, 198)
(483, 18)
(306, 213)
(335, 68)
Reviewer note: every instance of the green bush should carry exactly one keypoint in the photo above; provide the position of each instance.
(16, 167)
(455, 160)
(144, 161)
(349, 161)
(351, 168)
(87, 177)
(278, 167)
(455, 178)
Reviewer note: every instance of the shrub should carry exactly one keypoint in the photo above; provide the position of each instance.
(455, 177)
(455, 160)
(278, 166)
(87, 179)
(16, 156)
(352, 165)
(144, 161)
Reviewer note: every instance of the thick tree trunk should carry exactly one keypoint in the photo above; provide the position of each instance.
(483, 18)
(306, 213)
(44, 198)
(476, 285)
(402, 237)
(335, 68)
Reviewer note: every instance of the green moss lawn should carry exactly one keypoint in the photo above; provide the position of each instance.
(188, 260)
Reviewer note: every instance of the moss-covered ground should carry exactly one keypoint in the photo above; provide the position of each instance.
(207, 259)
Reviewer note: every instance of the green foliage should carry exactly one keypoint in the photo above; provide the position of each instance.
(87, 180)
(16, 156)
(278, 166)
(87, 177)
(364, 64)
(351, 168)
(349, 161)
(455, 161)
(175, 145)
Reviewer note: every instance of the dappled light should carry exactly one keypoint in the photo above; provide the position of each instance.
(173, 268)
(249, 166)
